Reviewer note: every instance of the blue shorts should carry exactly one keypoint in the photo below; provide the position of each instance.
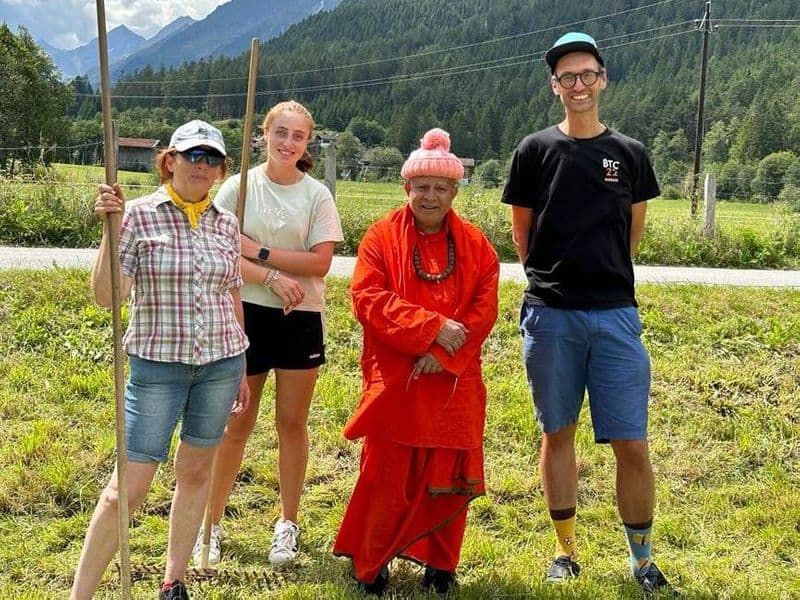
(158, 394)
(570, 351)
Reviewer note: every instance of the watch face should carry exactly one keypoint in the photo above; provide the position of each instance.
(263, 254)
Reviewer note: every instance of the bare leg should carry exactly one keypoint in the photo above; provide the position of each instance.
(192, 476)
(635, 484)
(293, 392)
(231, 450)
(558, 468)
(102, 537)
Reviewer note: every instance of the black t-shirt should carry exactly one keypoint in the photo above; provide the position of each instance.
(581, 192)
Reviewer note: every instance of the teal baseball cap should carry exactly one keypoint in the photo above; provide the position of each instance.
(572, 42)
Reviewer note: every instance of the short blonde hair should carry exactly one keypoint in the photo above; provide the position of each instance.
(165, 176)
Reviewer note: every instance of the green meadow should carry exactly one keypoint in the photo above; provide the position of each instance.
(54, 209)
(725, 436)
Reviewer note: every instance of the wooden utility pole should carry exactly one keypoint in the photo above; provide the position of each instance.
(705, 25)
(112, 224)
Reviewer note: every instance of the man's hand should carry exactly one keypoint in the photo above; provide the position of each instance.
(425, 365)
(452, 336)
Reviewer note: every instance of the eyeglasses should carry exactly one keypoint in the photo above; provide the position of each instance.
(194, 156)
(568, 80)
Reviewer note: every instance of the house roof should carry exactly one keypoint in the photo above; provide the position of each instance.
(125, 142)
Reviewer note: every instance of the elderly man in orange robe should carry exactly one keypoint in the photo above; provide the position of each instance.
(425, 292)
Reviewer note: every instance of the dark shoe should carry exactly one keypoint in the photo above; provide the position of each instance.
(441, 581)
(652, 580)
(562, 569)
(377, 587)
(175, 591)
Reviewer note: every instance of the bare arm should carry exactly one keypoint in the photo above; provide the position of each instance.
(638, 212)
(521, 223)
(315, 262)
(108, 201)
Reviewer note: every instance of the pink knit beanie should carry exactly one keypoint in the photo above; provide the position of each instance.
(433, 159)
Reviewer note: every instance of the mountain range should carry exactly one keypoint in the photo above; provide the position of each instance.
(227, 31)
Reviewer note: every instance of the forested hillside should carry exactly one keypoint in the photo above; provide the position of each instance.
(475, 67)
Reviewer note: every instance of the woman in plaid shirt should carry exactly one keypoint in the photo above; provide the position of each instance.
(185, 341)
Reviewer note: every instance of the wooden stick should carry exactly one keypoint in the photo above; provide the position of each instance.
(240, 204)
(112, 224)
(248, 128)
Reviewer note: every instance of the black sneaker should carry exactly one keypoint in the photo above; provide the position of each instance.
(440, 581)
(175, 591)
(562, 569)
(377, 587)
(652, 580)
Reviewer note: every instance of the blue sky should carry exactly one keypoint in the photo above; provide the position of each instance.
(70, 23)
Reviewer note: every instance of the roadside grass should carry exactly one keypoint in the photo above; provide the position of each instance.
(55, 210)
(725, 436)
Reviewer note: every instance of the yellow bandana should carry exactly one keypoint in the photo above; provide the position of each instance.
(192, 210)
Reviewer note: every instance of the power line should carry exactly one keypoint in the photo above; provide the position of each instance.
(418, 54)
(50, 148)
(508, 61)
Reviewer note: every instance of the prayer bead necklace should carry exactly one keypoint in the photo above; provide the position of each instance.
(451, 263)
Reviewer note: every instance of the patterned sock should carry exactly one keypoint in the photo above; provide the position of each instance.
(639, 543)
(564, 524)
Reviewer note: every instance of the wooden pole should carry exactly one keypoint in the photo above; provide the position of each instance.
(240, 205)
(701, 100)
(248, 128)
(112, 224)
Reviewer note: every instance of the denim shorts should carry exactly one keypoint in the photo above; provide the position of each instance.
(570, 351)
(159, 394)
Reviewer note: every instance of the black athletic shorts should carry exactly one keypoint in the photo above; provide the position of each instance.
(279, 341)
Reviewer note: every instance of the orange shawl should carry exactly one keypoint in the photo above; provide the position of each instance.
(401, 319)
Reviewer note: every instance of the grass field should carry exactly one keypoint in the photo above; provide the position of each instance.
(55, 211)
(725, 435)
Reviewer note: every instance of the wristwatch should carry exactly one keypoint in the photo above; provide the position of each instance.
(263, 254)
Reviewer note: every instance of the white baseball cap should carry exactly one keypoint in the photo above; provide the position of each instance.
(197, 133)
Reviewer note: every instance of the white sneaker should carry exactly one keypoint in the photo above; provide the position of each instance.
(284, 542)
(214, 547)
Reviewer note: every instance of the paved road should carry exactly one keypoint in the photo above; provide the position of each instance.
(45, 258)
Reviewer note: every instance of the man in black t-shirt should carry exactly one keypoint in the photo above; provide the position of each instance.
(579, 193)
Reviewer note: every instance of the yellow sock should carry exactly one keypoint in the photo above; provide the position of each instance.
(566, 544)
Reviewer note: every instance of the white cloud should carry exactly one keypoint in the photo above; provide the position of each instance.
(70, 23)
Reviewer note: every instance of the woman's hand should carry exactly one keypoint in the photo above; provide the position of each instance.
(288, 290)
(250, 247)
(452, 336)
(242, 401)
(426, 365)
(108, 200)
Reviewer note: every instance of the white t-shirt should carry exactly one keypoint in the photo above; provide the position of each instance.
(292, 217)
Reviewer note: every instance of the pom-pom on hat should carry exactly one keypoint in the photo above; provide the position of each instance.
(433, 158)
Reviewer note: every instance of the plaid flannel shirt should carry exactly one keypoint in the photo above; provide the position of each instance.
(182, 309)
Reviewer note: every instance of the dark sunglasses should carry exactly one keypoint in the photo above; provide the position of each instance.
(195, 155)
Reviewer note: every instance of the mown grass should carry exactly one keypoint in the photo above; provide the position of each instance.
(725, 434)
(56, 211)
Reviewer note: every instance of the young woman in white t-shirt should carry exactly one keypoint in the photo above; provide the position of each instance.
(290, 228)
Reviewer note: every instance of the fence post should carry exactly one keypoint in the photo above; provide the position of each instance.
(711, 201)
(330, 166)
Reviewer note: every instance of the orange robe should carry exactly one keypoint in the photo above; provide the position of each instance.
(422, 461)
